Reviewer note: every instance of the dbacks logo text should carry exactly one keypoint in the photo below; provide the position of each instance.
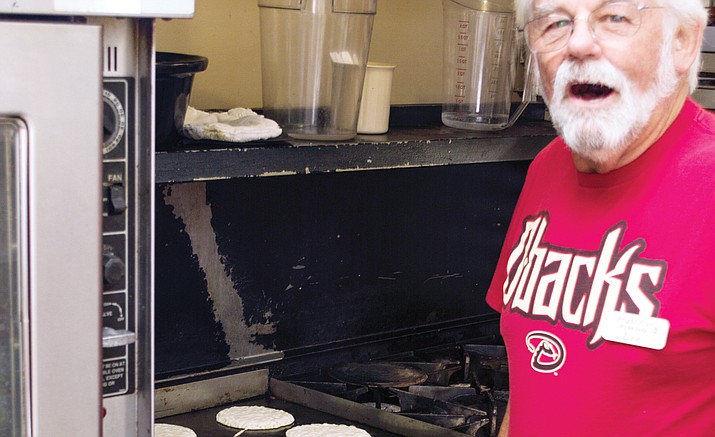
(575, 287)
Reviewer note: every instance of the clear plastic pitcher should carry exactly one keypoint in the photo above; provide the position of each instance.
(479, 56)
(313, 58)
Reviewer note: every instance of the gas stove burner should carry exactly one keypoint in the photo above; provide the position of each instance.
(390, 408)
(438, 372)
(378, 374)
(486, 365)
(443, 393)
(436, 405)
(464, 388)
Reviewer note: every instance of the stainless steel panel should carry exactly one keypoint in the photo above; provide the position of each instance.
(128, 169)
(705, 96)
(709, 39)
(125, 8)
(708, 62)
(57, 92)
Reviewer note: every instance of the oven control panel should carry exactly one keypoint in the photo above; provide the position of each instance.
(118, 315)
(127, 224)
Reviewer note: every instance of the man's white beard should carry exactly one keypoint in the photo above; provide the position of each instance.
(600, 134)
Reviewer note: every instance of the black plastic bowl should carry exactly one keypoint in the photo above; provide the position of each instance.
(174, 78)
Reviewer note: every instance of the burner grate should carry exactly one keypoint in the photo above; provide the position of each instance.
(465, 390)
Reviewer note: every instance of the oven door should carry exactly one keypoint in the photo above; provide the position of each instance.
(50, 228)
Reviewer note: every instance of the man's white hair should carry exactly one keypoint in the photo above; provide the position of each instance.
(679, 13)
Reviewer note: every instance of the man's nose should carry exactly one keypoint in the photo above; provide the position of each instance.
(582, 43)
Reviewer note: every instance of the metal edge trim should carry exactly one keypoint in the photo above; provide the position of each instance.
(199, 395)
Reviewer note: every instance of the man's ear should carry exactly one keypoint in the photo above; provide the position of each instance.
(687, 42)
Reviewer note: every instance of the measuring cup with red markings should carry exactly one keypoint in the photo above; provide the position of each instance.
(480, 63)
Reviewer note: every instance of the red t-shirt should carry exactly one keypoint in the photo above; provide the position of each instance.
(640, 239)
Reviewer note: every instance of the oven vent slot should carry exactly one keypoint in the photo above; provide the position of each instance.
(111, 60)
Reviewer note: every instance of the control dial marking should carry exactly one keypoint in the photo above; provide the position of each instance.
(114, 121)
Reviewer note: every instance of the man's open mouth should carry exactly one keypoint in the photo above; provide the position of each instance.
(590, 91)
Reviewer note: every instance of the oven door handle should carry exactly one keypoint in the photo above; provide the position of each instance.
(117, 337)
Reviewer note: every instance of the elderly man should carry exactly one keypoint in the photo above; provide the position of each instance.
(606, 283)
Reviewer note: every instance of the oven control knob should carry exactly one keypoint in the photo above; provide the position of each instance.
(113, 266)
(114, 121)
(116, 200)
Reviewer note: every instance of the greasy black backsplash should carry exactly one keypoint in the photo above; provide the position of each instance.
(186, 335)
(326, 259)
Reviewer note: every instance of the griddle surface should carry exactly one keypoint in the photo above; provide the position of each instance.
(204, 424)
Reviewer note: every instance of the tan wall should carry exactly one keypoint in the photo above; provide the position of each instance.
(407, 33)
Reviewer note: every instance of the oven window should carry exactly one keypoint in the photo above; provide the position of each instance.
(13, 280)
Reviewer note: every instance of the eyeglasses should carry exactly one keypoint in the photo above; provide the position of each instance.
(612, 21)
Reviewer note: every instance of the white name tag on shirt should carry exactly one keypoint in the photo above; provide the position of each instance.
(636, 330)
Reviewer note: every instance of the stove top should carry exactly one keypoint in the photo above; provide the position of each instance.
(203, 422)
(453, 391)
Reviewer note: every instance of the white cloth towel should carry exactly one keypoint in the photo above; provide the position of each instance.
(236, 125)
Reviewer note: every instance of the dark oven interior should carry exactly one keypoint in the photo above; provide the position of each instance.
(298, 275)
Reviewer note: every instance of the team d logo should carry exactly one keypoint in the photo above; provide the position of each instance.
(548, 352)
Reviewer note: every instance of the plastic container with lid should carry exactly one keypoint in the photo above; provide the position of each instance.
(313, 59)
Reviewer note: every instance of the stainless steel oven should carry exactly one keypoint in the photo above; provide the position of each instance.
(705, 93)
(76, 215)
(51, 229)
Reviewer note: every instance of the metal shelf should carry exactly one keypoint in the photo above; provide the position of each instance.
(401, 147)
